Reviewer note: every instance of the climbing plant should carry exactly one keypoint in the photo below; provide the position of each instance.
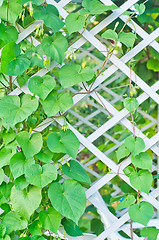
(40, 190)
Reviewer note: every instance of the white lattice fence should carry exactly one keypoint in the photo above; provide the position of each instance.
(115, 69)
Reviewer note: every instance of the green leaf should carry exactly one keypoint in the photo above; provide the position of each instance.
(2, 230)
(70, 199)
(5, 155)
(13, 221)
(1, 175)
(20, 183)
(97, 226)
(72, 74)
(41, 86)
(96, 7)
(31, 144)
(153, 64)
(140, 8)
(131, 104)
(6, 237)
(45, 155)
(63, 142)
(9, 136)
(35, 228)
(14, 110)
(143, 160)
(55, 46)
(50, 16)
(38, 238)
(135, 145)
(22, 79)
(110, 34)
(8, 33)
(77, 20)
(117, 198)
(141, 180)
(128, 200)
(128, 170)
(12, 62)
(40, 176)
(76, 172)
(50, 219)
(5, 190)
(71, 228)
(127, 39)
(13, 10)
(36, 2)
(56, 102)
(141, 213)
(18, 164)
(122, 152)
(25, 202)
(150, 232)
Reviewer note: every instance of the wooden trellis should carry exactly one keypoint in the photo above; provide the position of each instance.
(112, 224)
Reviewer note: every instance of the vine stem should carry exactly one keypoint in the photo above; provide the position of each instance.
(131, 229)
(4, 85)
(10, 82)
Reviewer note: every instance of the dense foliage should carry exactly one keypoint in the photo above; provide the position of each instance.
(40, 190)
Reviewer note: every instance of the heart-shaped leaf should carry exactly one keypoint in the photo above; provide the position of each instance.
(50, 219)
(18, 164)
(8, 34)
(77, 20)
(35, 228)
(56, 102)
(14, 110)
(71, 228)
(55, 46)
(76, 171)
(41, 86)
(141, 213)
(22, 79)
(10, 12)
(50, 16)
(72, 74)
(5, 155)
(96, 7)
(127, 39)
(20, 183)
(45, 155)
(12, 217)
(12, 62)
(63, 142)
(110, 34)
(140, 8)
(150, 232)
(143, 160)
(5, 190)
(126, 202)
(153, 64)
(70, 199)
(40, 176)
(135, 145)
(31, 145)
(131, 104)
(25, 202)
(141, 180)
(8, 136)
(122, 152)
